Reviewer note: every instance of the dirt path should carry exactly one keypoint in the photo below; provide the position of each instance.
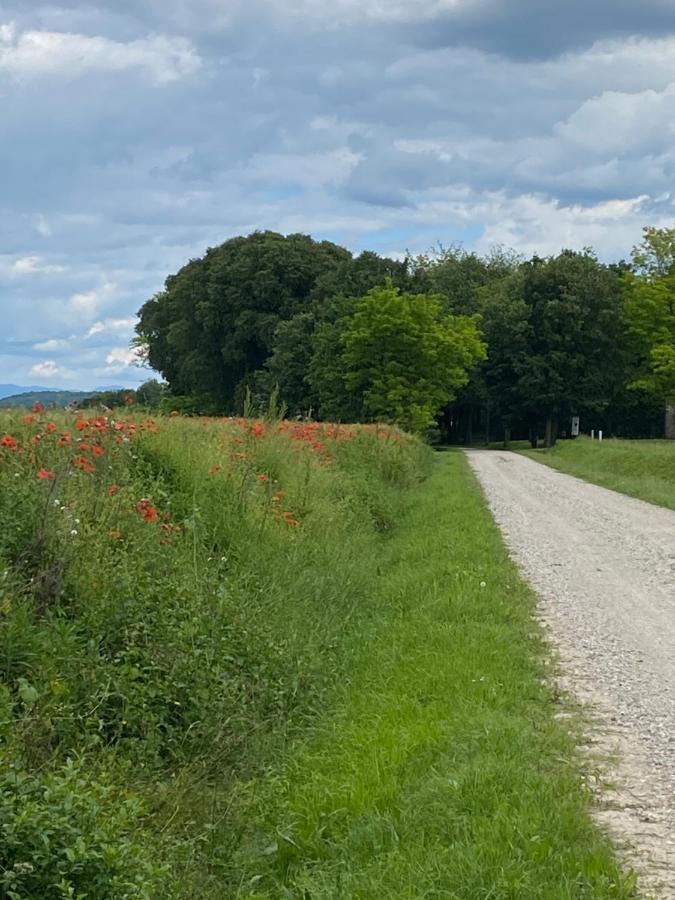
(604, 567)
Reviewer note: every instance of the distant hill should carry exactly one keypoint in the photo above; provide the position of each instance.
(46, 397)
(10, 390)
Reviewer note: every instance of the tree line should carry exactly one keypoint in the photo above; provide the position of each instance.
(451, 339)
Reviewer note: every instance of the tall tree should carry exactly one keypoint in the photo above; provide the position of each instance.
(215, 322)
(406, 357)
(649, 312)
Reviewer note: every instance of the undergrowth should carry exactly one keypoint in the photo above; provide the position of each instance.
(269, 659)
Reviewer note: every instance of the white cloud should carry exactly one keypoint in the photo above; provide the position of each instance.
(27, 265)
(89, 302)
(42, 53)
(48, 369)
(52, 345)
(114, 325)
(120, 358)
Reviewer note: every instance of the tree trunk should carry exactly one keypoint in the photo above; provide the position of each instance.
(487, 425)
(551, 429)
(469, 427)
(534, 438)
(507, 437)
(670, 423)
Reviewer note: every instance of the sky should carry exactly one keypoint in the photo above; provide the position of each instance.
(134, 134)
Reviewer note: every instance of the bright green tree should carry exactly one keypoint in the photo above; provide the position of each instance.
(649, 312)
(406, 357)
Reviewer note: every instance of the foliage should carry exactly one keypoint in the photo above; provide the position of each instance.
(63, 835)
(649, 312)
(405, 357)
(267, 312)
(171, 596)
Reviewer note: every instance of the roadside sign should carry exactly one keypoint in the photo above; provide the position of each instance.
(575, 426)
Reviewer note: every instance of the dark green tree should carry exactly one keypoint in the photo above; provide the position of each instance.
(214, 324)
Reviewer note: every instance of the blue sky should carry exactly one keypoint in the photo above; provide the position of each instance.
(136, 133)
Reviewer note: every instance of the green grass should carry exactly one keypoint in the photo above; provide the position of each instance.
(440, 771)
(312, 672)
(642, 469)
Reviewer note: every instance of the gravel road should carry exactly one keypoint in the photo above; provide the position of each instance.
(603, 565)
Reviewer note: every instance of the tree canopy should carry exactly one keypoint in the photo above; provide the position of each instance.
(453, 336)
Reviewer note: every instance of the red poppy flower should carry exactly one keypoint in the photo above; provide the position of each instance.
(258, 430)
(98, 451)
(46, 475)
(80, 424)
(147, 511)
(27, 420)
(38, 407)
(113, 489)
(84, 464)
(116, 534)
(8, 442)
(50, 427)
(262, 477)
(214, 469)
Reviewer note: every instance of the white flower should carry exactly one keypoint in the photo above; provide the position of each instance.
(482, 584)
(73, 532)
(57, 503)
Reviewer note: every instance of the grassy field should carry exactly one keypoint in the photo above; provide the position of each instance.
(268, 659)
(643, 469)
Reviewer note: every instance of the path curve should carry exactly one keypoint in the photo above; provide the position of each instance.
(603, 565)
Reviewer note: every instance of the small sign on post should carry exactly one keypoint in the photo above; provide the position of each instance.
(575, 426)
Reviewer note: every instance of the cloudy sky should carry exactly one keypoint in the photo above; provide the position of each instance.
(135, 133)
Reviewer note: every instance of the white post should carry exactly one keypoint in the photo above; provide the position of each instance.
(600, 435)
(592, 433)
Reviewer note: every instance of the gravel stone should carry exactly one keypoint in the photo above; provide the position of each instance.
(603, 566)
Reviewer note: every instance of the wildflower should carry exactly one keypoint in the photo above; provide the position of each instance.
(113, 490)
(8, 442)
(80, 424)
(46, 475)
(50, 427)
(81, 462)
(98, 451)
(173, 413)
(258, 430)
(290, 519)
(73, 532)
(146, 510)
(262, 477)
(27, 420)
(38, 407)
(214, 469)
(36, 439)
(85, 446)
(129, 400)
(277, 497)
(64, 439)
(115, 534)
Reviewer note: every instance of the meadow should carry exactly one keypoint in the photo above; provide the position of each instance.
(642, 469)
(262, 658)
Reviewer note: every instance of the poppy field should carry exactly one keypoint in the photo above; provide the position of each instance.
(266, 658)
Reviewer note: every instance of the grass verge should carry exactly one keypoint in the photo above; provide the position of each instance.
(441, 770)
(642, 469)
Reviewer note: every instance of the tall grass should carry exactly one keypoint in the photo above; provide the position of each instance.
(270, 659)
(642, 469)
